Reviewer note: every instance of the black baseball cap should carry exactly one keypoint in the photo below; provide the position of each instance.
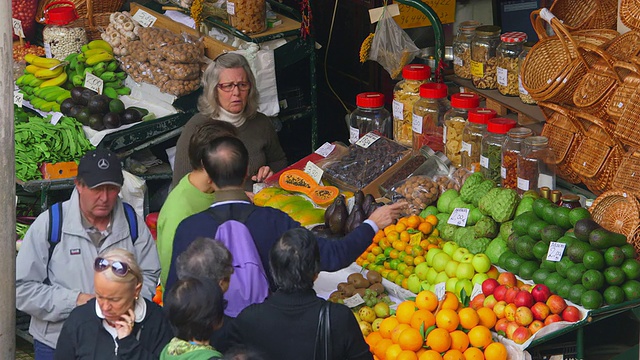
(100, 167)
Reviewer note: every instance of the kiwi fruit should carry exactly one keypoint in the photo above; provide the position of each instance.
(360, 292)
(360, 283)
(337, 294)
(351, 279)
(349, 290)
(378, 288)
(342, 285)
(374, 277)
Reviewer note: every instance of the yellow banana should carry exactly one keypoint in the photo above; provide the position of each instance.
(100, 44)
(92, 60)
(56, 81)
(32, 69)
(49, 74)
(40, 61)
(92, 52)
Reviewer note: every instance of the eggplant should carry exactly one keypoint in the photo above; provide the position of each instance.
(339, 217)
(358, 198)
(368, 200)
(330, 210)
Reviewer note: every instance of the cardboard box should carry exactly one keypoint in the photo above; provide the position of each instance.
(61, 170)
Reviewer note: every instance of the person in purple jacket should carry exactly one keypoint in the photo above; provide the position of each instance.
(226, 162)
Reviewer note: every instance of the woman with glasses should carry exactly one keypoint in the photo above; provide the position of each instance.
(118, 323)
(230, 94)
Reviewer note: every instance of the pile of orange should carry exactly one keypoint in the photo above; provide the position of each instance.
(431, 329)
(398, 248)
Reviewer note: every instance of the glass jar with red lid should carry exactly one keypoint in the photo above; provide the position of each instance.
(370, 115)
(507, 55)
(472, 135)
(428, 114)
(405, 93)
(491, 153)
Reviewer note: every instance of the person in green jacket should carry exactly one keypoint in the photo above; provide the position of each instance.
(193, 194)
(195, 309)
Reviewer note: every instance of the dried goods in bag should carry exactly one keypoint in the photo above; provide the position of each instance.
(392, 47)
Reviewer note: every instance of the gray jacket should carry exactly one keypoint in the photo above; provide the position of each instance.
(71, 266)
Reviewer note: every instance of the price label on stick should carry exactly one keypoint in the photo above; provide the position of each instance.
(47, 50)
(555, 251)
(144, 18)
(17, 27)
(18, 98)
(55, 118)
(325, 149)
(367, 140)
(93, 82)
(440, 290)
(354, 301)
(314, 171)
(459, 217)
(477, 290)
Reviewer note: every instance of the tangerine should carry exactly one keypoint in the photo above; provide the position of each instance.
(468, 318)
(453, 354)
(400, 227)
(393, 236)
(408, 259)
(410, 339)
(439, 340)
(405, 236)
(387, 325)
(399, 245)
(422, 316)
(376, 250)
(381, 347)
(392, 352)
(487, 317)
(418, 260)
(414, 221)
(394, 253)
(450, 301)
(426, 300)
(495, 351)
(447, 319)
(425, 244)
(459, 340)
(407, 355)
(480, 336)
(426, 228)
(395, 334)
(430, 355)
(405, 311)
(431, 219)
(372, 339)
(473, 354)
(389, 229)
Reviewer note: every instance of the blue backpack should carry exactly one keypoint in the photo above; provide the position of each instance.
(249, 284)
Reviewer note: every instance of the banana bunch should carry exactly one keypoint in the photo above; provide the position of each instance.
(46, 98)
(50, 71)
(97, 58)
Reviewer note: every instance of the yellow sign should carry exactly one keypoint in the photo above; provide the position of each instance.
(411, 17)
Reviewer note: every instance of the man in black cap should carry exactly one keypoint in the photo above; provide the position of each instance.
(55, 265)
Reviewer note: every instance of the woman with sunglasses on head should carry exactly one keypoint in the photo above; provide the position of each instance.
(230, 94)
(118, 323)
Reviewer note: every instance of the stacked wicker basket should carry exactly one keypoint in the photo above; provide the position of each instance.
(93, 14)
(586, 79)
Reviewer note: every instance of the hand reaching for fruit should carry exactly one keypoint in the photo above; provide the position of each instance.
(387, 214)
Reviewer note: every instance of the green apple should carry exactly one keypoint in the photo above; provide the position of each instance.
(421, 270)
(450, 268)
(413, 283)
(465, 271)
(459, 253)
(450, 247)
(440, 261)
(442, 277)
(450, 285)
(467, 258)
(431, 275)
(430, 254)
(479, 278)
(464, 284)
(424, 285)
(481, 263)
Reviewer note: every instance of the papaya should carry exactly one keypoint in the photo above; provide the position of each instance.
(267, 193)
(310, 216)
(296, 204)
(324, 195)
(278, 201)
(297, 181)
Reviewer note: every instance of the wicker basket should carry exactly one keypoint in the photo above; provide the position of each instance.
(630, 14)
(586, 14)
(617, 211)
(621, 97)
(564, 138)
(627, 177)
(598, 155)
(634, 239)
(628, 127)
(98, 7)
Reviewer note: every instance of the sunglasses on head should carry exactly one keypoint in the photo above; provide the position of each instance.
(119, 268)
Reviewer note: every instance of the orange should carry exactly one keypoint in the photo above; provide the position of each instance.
(373, 338)
(405, 311)
(392, 352)
(405, 236)
(424, 244)
(371, 258)
(398, 245)
(408, 259)
(425, 228)
(430, 355)
(400, 227)
(453, 354)
(387, 325)
(450, 301)
(426, 300)
(439, 340)
(447, 319)
(410, 339)
(418, 259)
(407, 355)
(381, 348)
(376, 250)
(473, 354)
(414, 221)
(379, 235)
(422, 316)
(389, 229)
(468, 318)
(417, 251)
(408, 271)
(459, 340)
(393, 236)
(394, 253)
(359, 261)
(487, 317)
(479, 336)
(435, 232)
(405, 283)
(495, 351)
(384, 243)
(395, 334)
(431, 219)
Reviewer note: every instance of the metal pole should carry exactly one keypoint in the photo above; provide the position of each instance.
(7, 191)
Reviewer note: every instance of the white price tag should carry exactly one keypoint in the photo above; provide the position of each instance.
(354, 134)
(546, 180)
(503, 172)
(444, 134)
(17, 27)
(416, 123)
(93, 82)
(503, 77)
(523, 184)
(521, 88)
(47, 50)
(325, 149)
(477, 290)
(465, 146)
(18, 98)
(457, 61)
(398, 110)
(459, 217)
(354, 301)
(367, 140)
(55, 118)
(314, 171)
(231, 8)
(555, 251)
(257, 187)
(440, 290)
(484, 162)
(144, 18)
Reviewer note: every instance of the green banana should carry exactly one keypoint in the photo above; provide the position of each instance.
(36, 82)
(62, 97)
(73, 63)
(81, 57)
(110, 92)
(94, 59)
(20, 80)
(80, 68)
(114, 84)
(123, 91)
(55, 107)
(47, 105)
(28, 89)
(121, 75)
(108, 76)
(53, 95)
(112, 65)
(84, 48)
(99, 71)
(77, 80)
(37, 102)
(88, 70)
(70, 57)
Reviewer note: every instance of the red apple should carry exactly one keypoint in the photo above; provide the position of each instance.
(526, 287)
(552, 318)
(501, 325)
(535, 326)
(500, 292)
(540, 311)
(571, 314)
(521, 335)
(541, 292)
(477, 302)
(489, 302)
(507, 278)
(511, 294)
(511, 328)
(524, 298)
(524, 316)
(488, 286)
(556, 304)
(499, 308)
(493, 272)
(510, 312)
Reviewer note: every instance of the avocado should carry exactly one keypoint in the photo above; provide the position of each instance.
(583, 228)
(76, 95)
(111, 120)
(116, 106)
(576, 250)
(83, 115)
(95, 122)
(65, 107)
(603, 238)
(86, 95)
(130, 116)
(98, 104)
(75, 110)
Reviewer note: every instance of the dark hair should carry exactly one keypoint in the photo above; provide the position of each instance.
(242, 353)
(195, 308)
(203, 135)
(205, 258)
(295, 260)
(226, 160)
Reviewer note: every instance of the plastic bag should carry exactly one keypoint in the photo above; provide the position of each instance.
(392, 47)
(419, 191)
(132, 192)
(446, 182)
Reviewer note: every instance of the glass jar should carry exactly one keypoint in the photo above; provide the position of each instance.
(248, 16)
(535, 165)
(483, 56)
(462, 48)
(510, 151)
(525, 97)
(570, 201)
(507, 54)
(428, 115)
(370, 115)
(59, 37)
(405, 93)
(454, 121)
(472, 135)
(436, 163)
(491, 153)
